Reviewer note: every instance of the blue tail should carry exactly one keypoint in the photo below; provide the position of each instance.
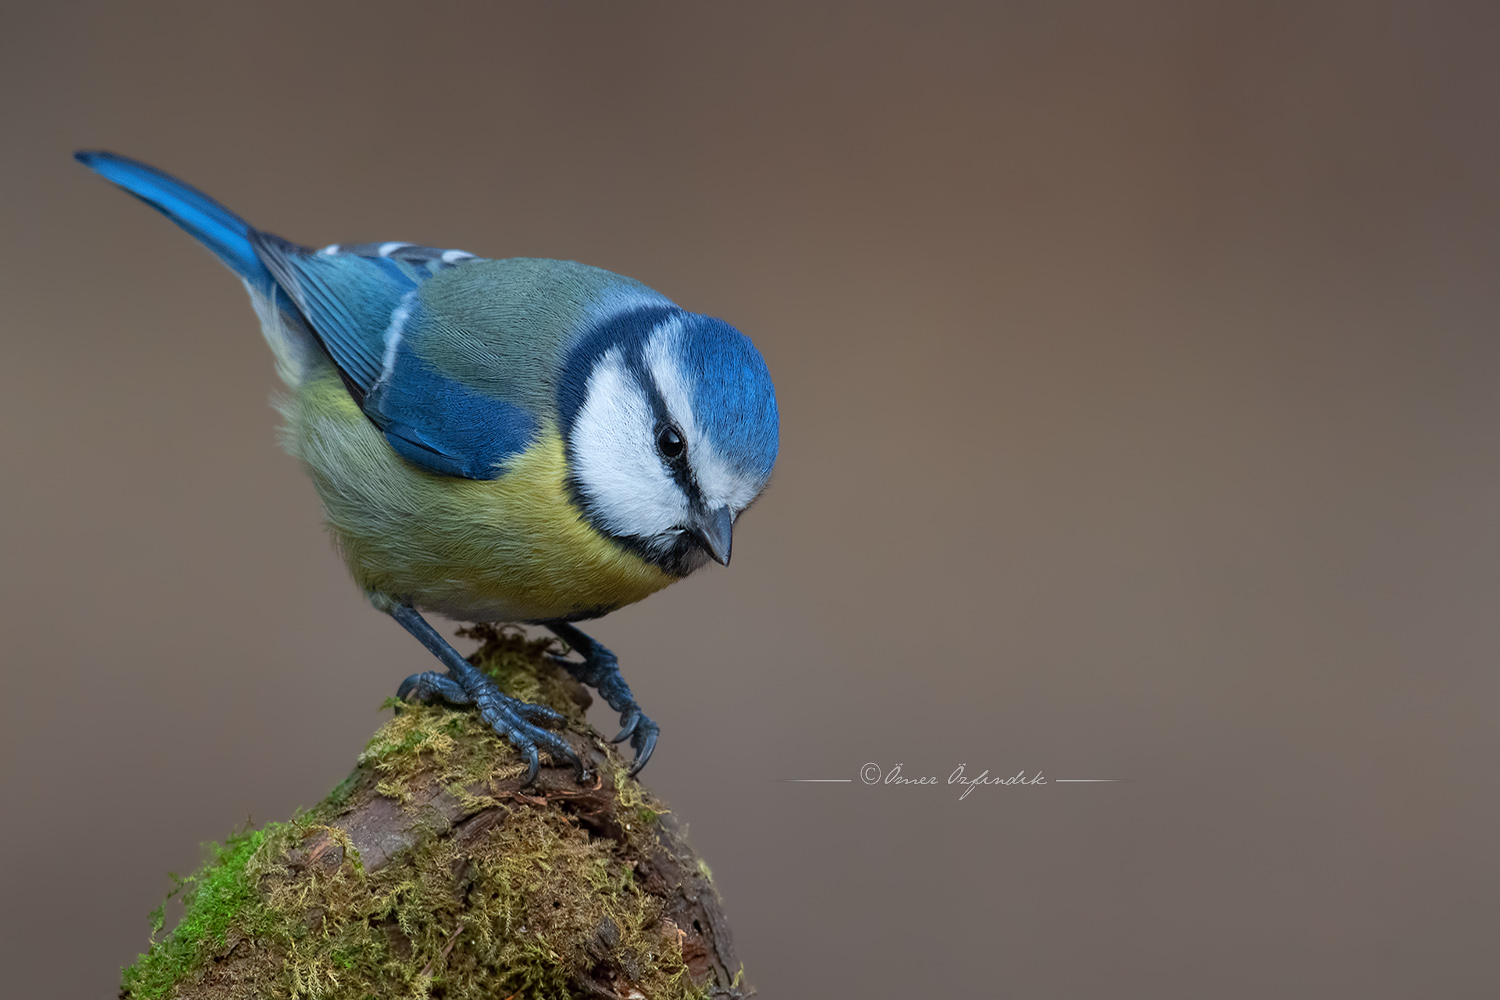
(210, 223)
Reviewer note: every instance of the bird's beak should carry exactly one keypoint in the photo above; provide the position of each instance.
(713, 531)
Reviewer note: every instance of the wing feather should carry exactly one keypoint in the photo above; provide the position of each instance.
(363, 303)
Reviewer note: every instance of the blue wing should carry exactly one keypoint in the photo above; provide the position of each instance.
(349, 299)
(363, 304)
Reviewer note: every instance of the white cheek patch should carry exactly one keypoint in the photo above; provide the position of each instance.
(722, 484)
(615, 460)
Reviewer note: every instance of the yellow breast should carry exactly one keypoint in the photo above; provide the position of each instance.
(514, 548)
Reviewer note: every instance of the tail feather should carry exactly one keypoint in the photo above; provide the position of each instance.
(213, 225)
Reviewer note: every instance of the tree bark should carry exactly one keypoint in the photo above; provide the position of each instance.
(432, 872)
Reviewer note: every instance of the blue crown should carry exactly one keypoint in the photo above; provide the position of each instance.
(734, 400)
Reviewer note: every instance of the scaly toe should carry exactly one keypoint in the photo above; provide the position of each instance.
(540, 715)
(509, 719)
(432, 686)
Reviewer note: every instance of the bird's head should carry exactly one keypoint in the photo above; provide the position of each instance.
(671, 429)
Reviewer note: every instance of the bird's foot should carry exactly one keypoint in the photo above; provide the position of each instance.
(430, 686)
(600, 670)
(525, 726)
(637, 726)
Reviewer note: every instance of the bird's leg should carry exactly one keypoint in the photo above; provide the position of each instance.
(601, 671)
(517, 721)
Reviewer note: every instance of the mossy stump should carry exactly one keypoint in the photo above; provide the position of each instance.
(431, 872)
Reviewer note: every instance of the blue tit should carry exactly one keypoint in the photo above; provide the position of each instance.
(522, 440)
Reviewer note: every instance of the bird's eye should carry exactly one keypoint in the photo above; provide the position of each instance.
(669, 442)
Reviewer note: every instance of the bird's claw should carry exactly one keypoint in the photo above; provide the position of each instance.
(629, 719)
(600, 670)
(430, 686)
(524, 725)
(643, 733)
(533, 763)
(520, 724)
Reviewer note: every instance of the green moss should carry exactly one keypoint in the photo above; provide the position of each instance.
(523, 899)
(212, 899)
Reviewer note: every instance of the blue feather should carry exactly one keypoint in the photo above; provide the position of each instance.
(437, 422)
(733, 396)
(210, 223)
(364, 305)
(350, 301)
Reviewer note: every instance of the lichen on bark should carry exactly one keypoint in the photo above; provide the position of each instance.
(431, 872)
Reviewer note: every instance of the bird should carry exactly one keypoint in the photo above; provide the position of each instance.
(513, 440)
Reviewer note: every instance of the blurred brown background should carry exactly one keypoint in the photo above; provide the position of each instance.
(1140, 377)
